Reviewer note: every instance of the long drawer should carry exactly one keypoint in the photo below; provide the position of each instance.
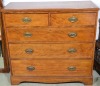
(26, 20)
(51, 67)
(67, 34)
(73, 19)
(40, 51)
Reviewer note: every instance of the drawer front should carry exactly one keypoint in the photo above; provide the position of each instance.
(51, 67)
(69, 50)
(51, 34)
(26, 19)
(71, 19)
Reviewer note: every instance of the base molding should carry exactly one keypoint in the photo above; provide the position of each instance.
(85, 80)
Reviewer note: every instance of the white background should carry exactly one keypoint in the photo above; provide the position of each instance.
(97, 2)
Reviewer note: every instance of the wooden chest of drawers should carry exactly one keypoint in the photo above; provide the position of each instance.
(50, 42)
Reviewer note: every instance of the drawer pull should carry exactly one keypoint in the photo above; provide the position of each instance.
(29, 51)
(30, 68)
(26, 20)
(71, 68)
(72, 34)
(73, 19)
(28, 34)
(72, 50)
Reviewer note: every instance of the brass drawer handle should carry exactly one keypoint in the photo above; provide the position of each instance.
(72, 34)
(29, 51)
(71, 68)
(28, 34)
(72, 50)
(73, 19)
(30, 68)
(26, 20)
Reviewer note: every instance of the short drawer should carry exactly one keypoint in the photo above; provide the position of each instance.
(51, 34)
(49, 51)
(51, 67)
(73, 19)
(26, 19)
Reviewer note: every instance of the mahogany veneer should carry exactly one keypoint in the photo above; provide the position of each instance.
(50, 42)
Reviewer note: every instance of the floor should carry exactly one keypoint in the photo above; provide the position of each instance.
(5, 80)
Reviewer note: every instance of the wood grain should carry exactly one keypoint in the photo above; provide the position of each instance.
(88, 81)
(40, 51)
(50, 34)
(17, 19)
(48, 47)
(61, 19)
(51, 67)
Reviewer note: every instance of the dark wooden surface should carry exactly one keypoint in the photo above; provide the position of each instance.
(55, 20)
(1, 5)
(2, 39)
(97, 53)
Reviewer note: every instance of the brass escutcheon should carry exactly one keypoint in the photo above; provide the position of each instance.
(72, 50)
(72, 34)
(26, 20)
(30, 68)
(73, 19)
(29, 51)
(28, 34)
(71, 68)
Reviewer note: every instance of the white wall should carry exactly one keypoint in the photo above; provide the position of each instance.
(97, 2)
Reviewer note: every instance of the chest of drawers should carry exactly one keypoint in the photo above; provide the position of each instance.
(50, 42)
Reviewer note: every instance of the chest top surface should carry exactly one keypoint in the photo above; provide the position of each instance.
(50, 6)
